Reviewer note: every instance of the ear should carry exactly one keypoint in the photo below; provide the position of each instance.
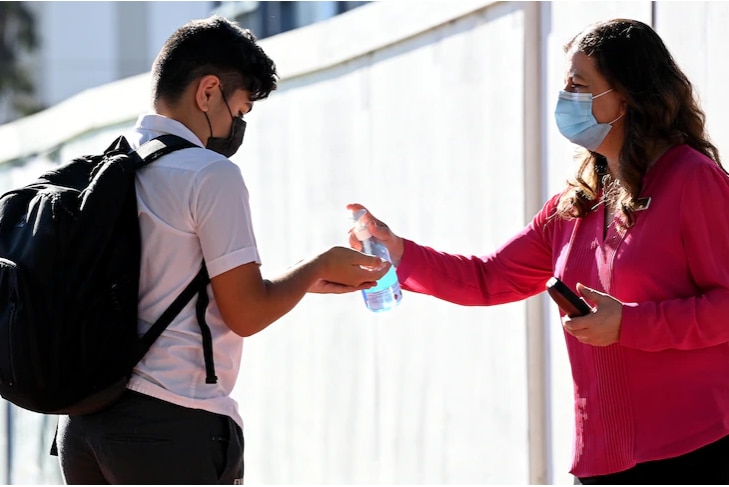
(623, 106)
(206, 87)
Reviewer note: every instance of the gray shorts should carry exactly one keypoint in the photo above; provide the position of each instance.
(143, 440)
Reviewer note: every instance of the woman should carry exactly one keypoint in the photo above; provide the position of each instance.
(642, 234)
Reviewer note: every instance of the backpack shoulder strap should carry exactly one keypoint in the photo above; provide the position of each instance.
(160, 146)
(148, 152)
(198, 285)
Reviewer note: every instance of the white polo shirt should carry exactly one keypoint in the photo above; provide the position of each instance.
(192, 205)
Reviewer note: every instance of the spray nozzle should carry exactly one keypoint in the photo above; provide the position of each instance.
(360, 229)
(355, 215)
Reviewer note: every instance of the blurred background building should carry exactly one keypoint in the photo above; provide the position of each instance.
(437, 115)
(53, 50)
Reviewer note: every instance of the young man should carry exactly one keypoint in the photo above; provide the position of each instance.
(171, 426)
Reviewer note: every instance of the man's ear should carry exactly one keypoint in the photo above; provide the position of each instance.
(206, 86)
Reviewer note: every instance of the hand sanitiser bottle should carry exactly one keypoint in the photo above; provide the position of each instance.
(386, 294)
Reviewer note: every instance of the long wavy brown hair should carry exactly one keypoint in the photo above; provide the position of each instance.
(661, 106)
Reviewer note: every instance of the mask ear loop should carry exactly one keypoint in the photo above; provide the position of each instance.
(209, 124)
(226, 102)
(619, 117)
(603, 93)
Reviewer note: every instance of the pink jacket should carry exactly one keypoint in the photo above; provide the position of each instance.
(663, 390)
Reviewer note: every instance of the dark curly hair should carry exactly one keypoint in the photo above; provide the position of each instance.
(661, 106)
(212, 46)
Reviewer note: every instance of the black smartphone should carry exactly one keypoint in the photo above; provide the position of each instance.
(567, 300)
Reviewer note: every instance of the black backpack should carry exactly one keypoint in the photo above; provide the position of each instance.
(69, 283)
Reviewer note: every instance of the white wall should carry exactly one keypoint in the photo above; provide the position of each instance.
(430, 392)
(437, 115)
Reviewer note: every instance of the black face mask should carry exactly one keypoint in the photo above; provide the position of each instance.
(229, 146)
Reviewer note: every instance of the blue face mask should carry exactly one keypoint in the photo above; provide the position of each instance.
(577, 123)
